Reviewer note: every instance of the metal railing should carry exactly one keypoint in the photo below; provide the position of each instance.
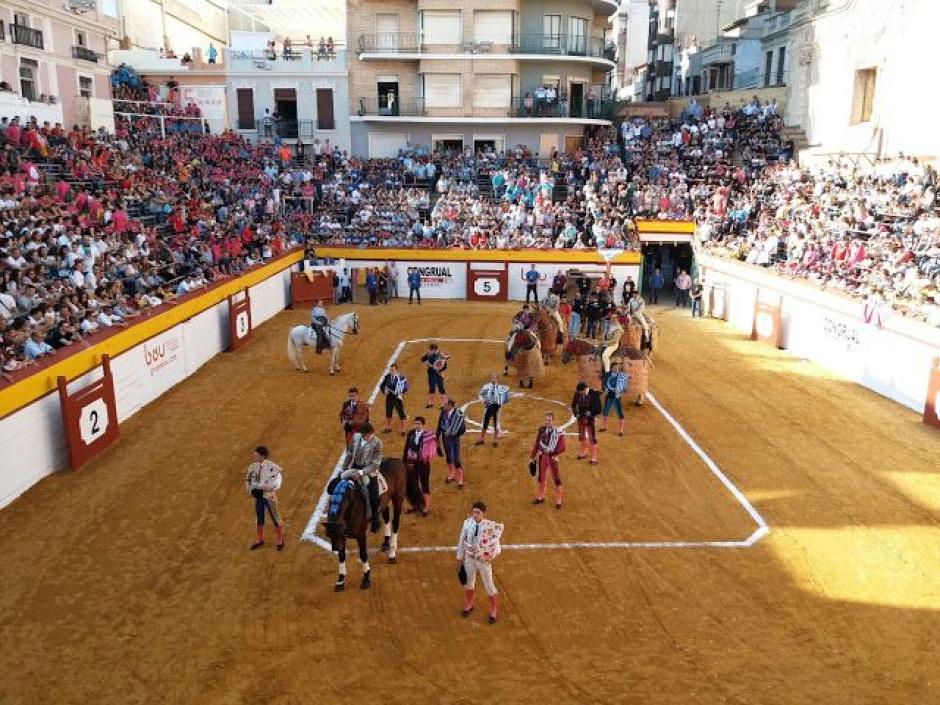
(291, 129)
(26, 36)
(294, 57)
(531, 107)
(719, 53)
(563, 45)
(551, 44)
(287, 129)
(391, 108)
(392, 42)
(84, 54)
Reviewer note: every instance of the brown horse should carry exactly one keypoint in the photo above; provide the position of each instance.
(588, 355)
(547, 328)
(524, 354)
(635, 362)
(347, 518)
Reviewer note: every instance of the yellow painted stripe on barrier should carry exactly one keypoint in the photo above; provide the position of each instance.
(665, 226)
(28, 390)
(528, 257)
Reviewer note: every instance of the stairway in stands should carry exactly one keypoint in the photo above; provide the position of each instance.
(798, 136)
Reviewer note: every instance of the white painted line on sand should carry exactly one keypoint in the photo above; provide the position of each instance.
(762, 529)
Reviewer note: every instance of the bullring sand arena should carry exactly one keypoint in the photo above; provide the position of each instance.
(130, 581)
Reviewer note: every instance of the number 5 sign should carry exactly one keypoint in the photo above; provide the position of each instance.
(89, 417)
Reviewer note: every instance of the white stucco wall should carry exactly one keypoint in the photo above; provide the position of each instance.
(896, 38)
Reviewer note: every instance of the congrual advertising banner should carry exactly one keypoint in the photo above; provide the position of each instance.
(439, 280)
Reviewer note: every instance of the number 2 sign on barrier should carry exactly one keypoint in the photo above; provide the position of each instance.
(89, 417)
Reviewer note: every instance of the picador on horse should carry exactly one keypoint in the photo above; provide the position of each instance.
(361, 464)
(522, 321)
(319, 323)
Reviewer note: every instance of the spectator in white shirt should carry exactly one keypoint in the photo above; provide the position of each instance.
(36, 347)
(15, 260)
(108, 318)
(185, 286)
(7, 307)
(88, 325)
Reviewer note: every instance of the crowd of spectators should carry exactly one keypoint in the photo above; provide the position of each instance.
(98, 229)
(868, 229)
(140, 105)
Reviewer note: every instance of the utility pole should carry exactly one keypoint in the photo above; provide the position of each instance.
(717, 20)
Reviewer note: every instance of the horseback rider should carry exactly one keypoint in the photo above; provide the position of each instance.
(361, 463)
(319, 323)
(637, 310)
(551, 304)
(523, 320)
(612, 339)
(524, 317)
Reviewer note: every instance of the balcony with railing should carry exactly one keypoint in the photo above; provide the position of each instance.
(563, 45)
(777, 23)
(718, 53)
(300, 60)
(529, 106)
(391, 106)
(27, 36)
(531, 44)
(292, 129)
(84, 54)
(585, 109)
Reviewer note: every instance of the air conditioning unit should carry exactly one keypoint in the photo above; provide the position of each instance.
(81, 6)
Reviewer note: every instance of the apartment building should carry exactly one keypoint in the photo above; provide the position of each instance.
(656, 73)
(52, 54)
(487, 74)
(631, 27)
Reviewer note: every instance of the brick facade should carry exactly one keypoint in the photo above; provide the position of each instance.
(364, 73)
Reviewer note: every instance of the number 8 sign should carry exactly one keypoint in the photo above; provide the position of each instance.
(239, 321)
(89, 417)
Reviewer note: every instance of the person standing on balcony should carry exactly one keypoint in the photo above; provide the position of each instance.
(213, 53)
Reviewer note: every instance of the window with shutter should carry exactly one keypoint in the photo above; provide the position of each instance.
(441, 27)
(492, 90)
(386, 31)
(494, 27)
(443, 90)
(246, 108)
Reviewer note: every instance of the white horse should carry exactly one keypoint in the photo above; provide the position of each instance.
(305, 335)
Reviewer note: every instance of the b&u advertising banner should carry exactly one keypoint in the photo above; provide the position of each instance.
(148, 370)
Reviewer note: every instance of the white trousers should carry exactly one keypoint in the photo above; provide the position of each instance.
(474, 566)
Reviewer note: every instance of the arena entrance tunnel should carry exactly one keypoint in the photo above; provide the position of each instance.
(666, 245)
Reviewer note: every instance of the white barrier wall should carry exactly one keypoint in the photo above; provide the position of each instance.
(448, 280)
(32, 438)
(517, 283)
(893, 360)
